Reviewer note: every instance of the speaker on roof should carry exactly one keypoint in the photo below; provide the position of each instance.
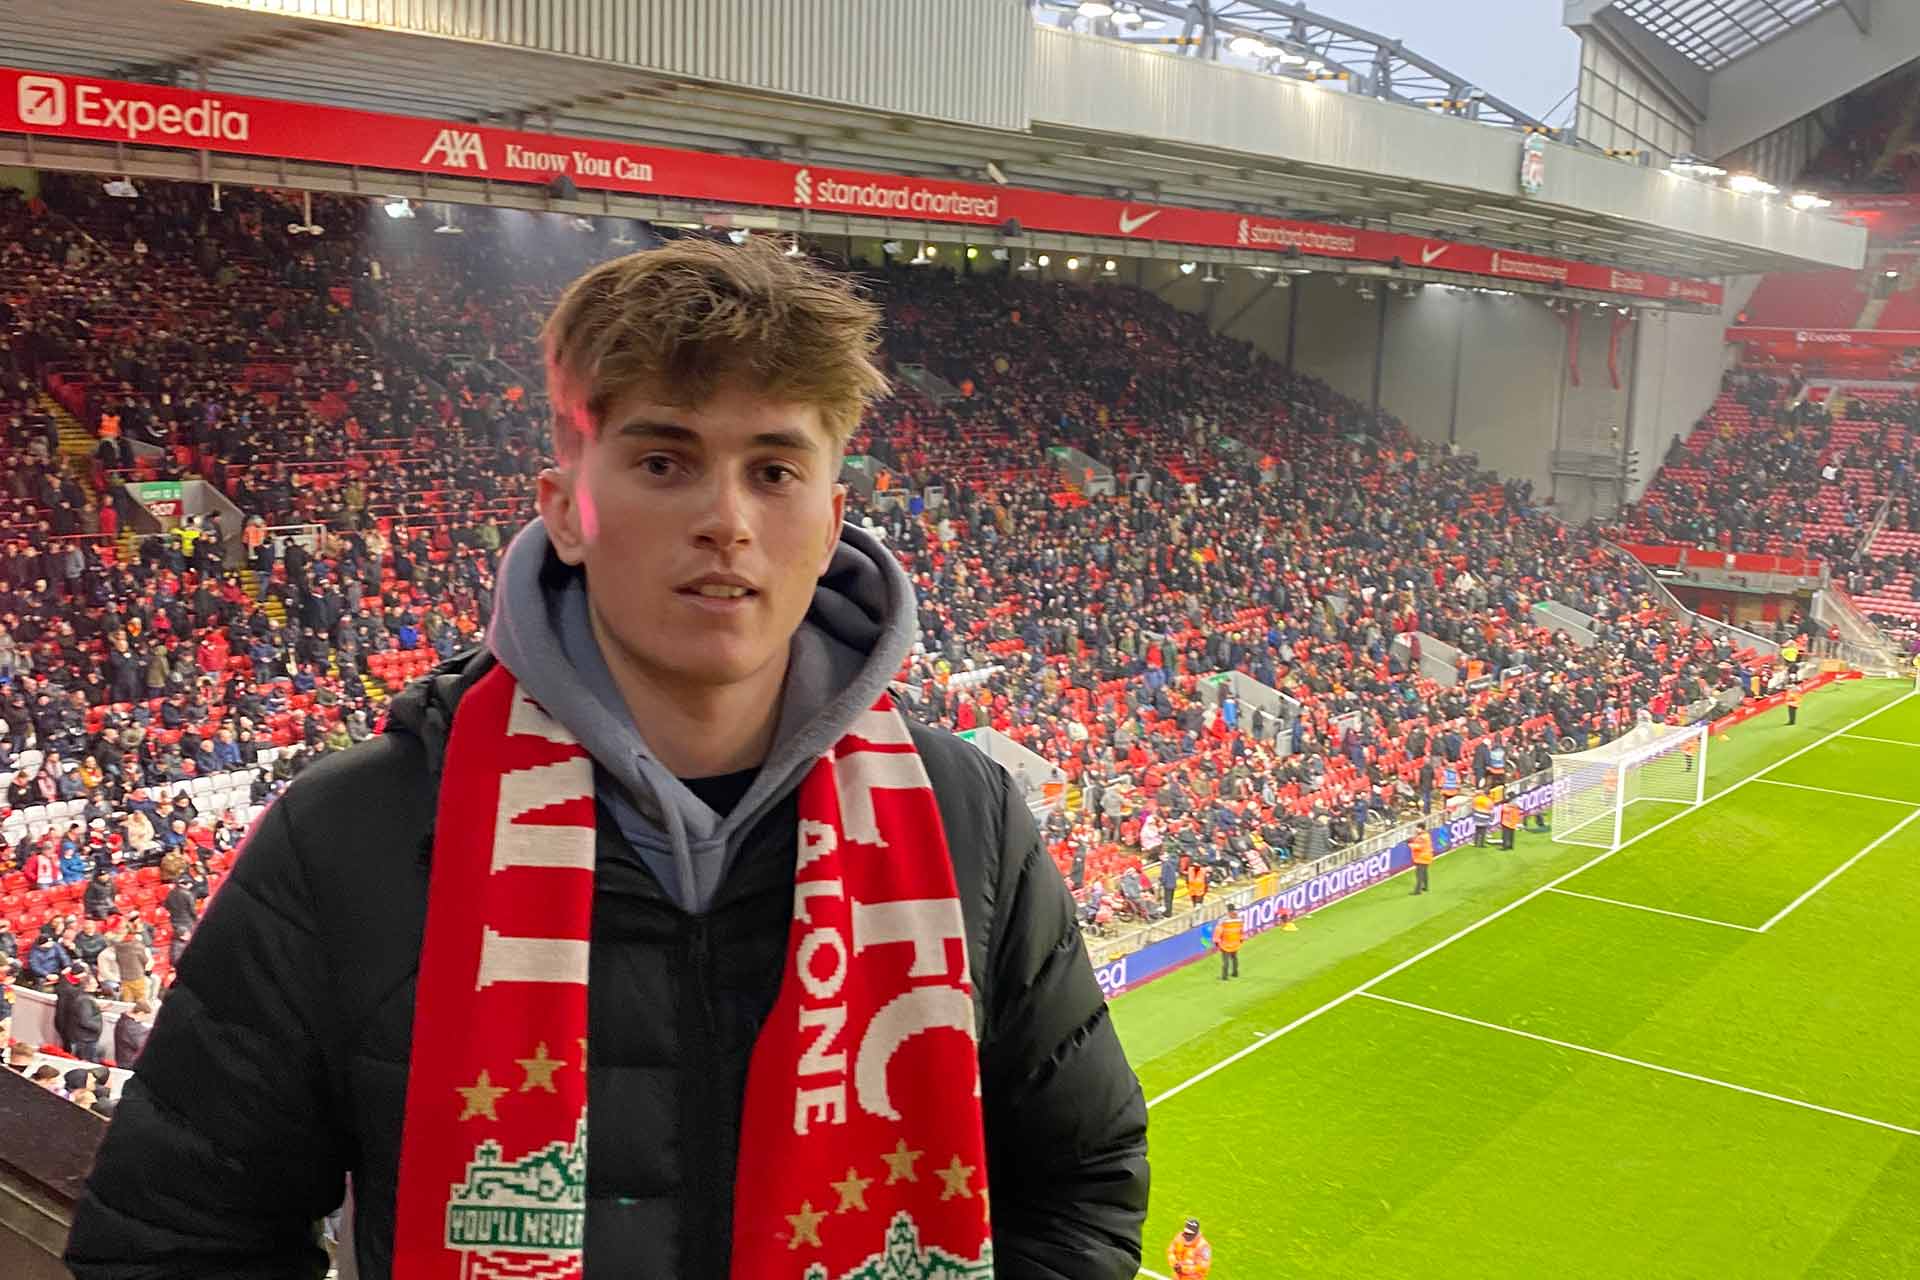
(561, 187)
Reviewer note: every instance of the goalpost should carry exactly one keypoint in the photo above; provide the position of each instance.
(1649, 764)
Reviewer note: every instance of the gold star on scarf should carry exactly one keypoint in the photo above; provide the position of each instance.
(539, 1069)
(956, 1176)
(853, 1192)
(900, 1163)
(805, 1224)
(480, 1096)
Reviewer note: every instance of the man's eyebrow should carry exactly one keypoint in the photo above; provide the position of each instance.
(797, 441)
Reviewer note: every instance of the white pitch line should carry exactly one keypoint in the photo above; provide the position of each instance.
(1153, 1275)
(1489, 918)
(1658, 911)
(1830, 791)
(1892, 742)
(1828, 879)
(1650, 1066)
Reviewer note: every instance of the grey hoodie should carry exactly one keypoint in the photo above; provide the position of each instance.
(855, 637)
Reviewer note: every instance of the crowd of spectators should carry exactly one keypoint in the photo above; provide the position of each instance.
(1775, 468)
(363, 400)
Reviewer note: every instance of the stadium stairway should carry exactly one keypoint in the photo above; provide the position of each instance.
(76, 442)
(250, 581)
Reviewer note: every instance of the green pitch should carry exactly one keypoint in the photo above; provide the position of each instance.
(1696, 1056)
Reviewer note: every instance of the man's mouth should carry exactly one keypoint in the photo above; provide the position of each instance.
(718, 587)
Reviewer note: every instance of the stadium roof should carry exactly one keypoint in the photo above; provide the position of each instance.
(1712, 33)
(1344, 169)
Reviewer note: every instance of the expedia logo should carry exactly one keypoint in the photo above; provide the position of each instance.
(803, 187)
(1804, 336)
(43, 101)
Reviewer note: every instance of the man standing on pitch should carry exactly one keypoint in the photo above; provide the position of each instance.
(1422, 847)
(1227, 936)
(668, 849)
(1189, 1254)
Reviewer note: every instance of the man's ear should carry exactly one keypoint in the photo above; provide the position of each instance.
(833, 534)
(560, 510)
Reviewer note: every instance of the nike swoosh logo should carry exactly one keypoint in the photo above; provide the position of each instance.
(1130, 225)
(1428, 255)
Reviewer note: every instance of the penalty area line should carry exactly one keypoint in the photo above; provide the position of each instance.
(1658, 911)
(1802, 1103)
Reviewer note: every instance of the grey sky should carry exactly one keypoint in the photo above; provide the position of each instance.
(1516, 49)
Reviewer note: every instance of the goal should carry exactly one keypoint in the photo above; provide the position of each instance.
(1649, 764)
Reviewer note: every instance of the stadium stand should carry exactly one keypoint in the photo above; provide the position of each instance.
(1814, 299)
(381, 400)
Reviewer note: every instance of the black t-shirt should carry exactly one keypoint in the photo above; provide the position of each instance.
(722, 791)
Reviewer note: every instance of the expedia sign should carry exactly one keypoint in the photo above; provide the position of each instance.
(43, 101)
(1809, 337)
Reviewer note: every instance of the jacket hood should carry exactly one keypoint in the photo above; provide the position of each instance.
(856, 635)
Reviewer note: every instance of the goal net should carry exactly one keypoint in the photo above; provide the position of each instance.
(1649, 764)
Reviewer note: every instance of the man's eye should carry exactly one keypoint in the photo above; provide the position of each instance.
(778, 473)
(657, 464)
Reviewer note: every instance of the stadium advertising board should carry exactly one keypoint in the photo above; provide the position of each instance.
(90, 109)
(1270, 910)
(1822, 340)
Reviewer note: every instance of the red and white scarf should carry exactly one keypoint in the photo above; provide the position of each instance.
(861, 1149)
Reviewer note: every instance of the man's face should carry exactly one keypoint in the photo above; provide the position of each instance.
(663, 501)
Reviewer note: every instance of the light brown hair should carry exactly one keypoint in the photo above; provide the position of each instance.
(679, 321)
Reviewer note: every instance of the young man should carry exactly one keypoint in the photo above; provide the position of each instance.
(664, 864)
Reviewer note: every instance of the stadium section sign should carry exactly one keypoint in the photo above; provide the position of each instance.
(161, 497)
(89, 109)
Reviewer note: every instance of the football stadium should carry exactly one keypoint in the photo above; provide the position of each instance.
(1210, 639)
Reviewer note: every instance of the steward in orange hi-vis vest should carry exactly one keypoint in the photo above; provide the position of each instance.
(1190, 1256)
(1228, 935)
(1509, 823)
(1422, 848)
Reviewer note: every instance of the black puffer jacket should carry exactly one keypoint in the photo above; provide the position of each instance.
(280, 1062)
